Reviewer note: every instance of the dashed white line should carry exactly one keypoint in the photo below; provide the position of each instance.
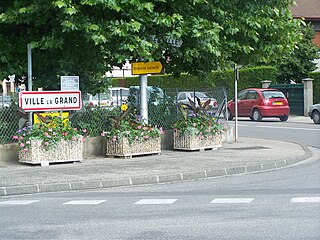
(232, 200)
(305, 200)
(156, 201)
(18, 202)
(84, 202)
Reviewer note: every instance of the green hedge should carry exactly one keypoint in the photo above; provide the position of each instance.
(316, 86)
(249, 77)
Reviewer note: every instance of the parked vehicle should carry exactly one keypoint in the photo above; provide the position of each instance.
(101, 99)
(183, 97)
(5, 101)
(258, 103)
(314, 113)
(155, 95)
(119, 95)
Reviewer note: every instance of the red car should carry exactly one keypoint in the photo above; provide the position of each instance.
(258, 103)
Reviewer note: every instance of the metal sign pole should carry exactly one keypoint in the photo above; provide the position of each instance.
(143, 98)
(29, 76)
(236, 78)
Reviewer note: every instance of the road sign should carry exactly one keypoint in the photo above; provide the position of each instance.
(172, 41)
(140, 68)
(69, 83)
(33, 101)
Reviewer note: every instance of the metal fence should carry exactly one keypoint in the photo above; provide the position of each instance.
(162, 110)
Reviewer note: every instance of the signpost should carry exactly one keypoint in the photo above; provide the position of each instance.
(49, 100)
(142, 69)
(236, 78)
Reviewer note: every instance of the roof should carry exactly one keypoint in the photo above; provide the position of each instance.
(309, 9)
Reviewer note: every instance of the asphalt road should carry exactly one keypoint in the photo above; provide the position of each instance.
(306, 133)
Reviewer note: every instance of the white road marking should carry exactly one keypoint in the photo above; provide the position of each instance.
(18, 202)
(232, 200)
(305, 200)
(84, 202)
(156, 201)
(291, 128)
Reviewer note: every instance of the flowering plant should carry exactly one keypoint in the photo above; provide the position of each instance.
(48, 132)
(129, 125)
(198, 122)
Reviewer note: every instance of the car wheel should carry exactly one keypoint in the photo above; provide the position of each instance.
(284, 118)
(316, 117)
(256, 115)
(230, 117)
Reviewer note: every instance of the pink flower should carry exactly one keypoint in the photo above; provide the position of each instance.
(64, 133)
(50, 129)
(114, 139)
(161, 130)
(46, 143)
(75, 129)
(21, 138)
(25, 149)
(146, 136)
(201, 137)
(28, 142)
(15, 137)
(139, 127)
(103, 134)
(54, 133)
(84, 140)
(21, 145)
(84, 130)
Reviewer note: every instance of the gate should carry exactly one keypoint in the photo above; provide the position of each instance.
(294, 93)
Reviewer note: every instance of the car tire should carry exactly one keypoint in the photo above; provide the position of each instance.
(230, 117)
(284, 118)
(256, 115)
(316, 117)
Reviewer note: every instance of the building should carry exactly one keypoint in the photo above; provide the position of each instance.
(309, 10)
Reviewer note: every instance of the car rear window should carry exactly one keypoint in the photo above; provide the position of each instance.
(272, 94)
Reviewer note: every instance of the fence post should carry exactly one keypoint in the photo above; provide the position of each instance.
(307, 94)
(265, 83)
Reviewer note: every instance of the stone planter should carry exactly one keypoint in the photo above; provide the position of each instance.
(123, 148)
(64, 151)
(191, 141)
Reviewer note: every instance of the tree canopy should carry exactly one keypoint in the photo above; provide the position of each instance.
(88, 37)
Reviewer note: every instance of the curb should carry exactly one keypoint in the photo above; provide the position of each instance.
(150, 179)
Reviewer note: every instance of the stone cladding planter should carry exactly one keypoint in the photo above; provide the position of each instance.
(191, 141)
(64, 151)
(123, 148)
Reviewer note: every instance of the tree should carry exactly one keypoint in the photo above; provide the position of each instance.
(296, 65)
(87, 37)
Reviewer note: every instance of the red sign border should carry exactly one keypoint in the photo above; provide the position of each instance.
(49, 92)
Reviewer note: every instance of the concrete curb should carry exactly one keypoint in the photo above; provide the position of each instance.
(150, 179)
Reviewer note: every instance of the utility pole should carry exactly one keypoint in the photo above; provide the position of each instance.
(29, 76)
(236, 78)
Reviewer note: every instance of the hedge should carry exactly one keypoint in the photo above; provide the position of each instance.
(316, 86)
(248, 77)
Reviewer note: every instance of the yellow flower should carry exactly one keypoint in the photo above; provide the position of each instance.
(124, 107)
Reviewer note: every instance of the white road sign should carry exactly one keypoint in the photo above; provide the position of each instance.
(69, 83)
(33, 101)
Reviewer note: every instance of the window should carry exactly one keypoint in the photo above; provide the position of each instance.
(242, 95)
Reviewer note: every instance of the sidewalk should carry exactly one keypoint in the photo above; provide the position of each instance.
(245, 156)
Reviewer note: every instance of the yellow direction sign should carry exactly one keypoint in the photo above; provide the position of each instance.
(139, 68)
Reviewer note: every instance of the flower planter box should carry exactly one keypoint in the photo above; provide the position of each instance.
(64, 151)
(192, 141)
(123, 148)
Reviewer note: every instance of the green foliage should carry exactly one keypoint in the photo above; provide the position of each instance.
(297, 64)
(130, 126)
(88, 37)
(316, 86)
(48, 133)
(200, 122)
(93, 119)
